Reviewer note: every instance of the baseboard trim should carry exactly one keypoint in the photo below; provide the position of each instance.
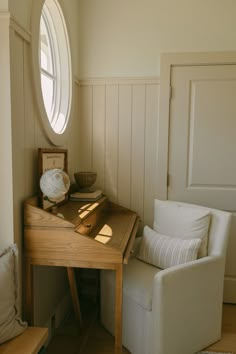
(230, 290)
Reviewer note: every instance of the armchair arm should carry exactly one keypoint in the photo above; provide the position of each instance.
(187, 306)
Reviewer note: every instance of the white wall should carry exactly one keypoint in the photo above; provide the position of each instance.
(3, 5)
(21, 11)
(126, 37)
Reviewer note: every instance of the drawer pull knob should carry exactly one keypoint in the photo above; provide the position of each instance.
(88, 225)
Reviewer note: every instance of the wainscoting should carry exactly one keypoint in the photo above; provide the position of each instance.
(27, 134)
(118, 139)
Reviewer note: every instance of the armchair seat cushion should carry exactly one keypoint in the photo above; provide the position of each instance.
(138, 278)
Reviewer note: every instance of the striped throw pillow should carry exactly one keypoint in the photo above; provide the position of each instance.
(164, 251)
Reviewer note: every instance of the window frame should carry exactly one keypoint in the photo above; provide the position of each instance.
(53, 75)
(56, 138)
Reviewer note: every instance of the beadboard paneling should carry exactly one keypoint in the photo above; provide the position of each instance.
(124, 145)
(98, 137)
(18, 135)
(138, 147)
(152, 106)
(85, 133)
(118, 135)
(111, 152)
(27, 136)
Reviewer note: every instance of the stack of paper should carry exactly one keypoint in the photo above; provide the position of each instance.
(87, 197)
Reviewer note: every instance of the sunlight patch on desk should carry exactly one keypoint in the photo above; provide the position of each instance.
(102, 239)
(104, 234)
(106, 231)
(92, 206)
(83, 214)
(86, 206)
(86, 209)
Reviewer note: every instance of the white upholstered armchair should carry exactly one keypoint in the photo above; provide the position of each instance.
(176, 310)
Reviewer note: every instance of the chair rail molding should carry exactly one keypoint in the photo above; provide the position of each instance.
(19, 29)
(15, 25)
(120, 80)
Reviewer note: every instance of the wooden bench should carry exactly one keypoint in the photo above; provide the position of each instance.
(29, 342)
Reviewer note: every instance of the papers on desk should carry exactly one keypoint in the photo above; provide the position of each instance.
(87, 197)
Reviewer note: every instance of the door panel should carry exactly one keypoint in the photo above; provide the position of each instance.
(202, 144)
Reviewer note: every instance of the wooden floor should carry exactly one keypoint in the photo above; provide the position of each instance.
(228, 340)
(94, 339)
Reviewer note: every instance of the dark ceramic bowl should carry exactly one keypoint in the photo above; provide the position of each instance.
(85, 179)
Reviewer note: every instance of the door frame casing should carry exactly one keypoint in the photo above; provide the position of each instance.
(168, 61)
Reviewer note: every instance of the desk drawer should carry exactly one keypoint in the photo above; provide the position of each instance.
(91, 221)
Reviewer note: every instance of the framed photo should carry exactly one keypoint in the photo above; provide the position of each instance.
(49, 159)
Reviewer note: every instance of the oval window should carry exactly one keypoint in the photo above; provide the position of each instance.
(54, 73)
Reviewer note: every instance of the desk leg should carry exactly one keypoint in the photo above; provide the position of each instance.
(29, 293)
(74, 293)
(118, 309)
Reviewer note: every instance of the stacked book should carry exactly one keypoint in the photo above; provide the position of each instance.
(86, 196)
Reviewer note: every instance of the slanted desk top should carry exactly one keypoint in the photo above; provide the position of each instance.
(91, 235)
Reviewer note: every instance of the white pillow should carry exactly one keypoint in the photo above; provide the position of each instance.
(164, 251)
(186, 222)
(10, 322)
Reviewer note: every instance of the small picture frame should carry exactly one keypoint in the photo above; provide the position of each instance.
(49, 159)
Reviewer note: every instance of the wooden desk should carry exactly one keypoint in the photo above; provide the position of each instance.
(92, 235)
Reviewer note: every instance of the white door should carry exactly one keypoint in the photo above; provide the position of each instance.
(202, 145)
